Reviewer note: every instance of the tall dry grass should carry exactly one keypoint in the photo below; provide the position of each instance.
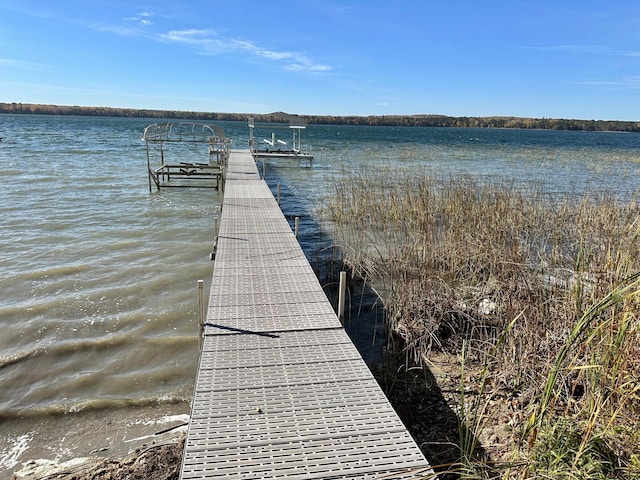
(539, 291)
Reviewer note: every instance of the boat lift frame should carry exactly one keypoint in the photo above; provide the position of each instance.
(277, 148)
(188, 173)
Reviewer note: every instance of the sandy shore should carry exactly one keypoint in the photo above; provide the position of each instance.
(100, 444)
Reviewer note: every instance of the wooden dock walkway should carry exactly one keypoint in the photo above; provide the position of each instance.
(281, 391)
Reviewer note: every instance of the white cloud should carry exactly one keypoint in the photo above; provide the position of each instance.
(20, 64)
(210, 42)
(303, 64)
(143, 18)
(626, 82)
(590, 49)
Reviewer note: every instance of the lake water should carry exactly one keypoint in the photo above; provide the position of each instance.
(98, 274)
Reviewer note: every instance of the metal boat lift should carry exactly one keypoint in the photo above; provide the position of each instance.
(277, 148)
(187, 140)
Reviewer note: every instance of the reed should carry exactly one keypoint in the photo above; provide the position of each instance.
(536, 293)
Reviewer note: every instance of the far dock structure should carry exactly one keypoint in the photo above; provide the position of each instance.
(186, 141)
(274, 147)
(281, 391)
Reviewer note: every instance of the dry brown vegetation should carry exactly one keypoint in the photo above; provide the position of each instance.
(535, 297)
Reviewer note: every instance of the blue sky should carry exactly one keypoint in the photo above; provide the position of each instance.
(530, 58)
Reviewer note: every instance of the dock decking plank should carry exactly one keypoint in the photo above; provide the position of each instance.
(281, 391)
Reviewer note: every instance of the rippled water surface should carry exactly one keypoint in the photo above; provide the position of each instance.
(98, 275)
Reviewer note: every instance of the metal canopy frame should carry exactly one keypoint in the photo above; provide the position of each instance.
(188, 172)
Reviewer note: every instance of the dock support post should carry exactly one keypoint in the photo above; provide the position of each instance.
(296, 228)
(148, 167)
(341, 295)
(264, 168)
(201, 311)
(216, 229)
(278, 194)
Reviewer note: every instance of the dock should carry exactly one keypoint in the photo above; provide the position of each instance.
(281, 391)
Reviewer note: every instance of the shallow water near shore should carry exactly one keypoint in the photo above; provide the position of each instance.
(98, 275)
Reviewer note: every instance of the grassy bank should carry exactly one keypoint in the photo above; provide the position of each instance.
(535, 296)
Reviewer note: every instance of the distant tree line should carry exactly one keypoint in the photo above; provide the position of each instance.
(482, 122)
(386, 120)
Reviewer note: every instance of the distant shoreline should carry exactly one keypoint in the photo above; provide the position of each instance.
(373, 120)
